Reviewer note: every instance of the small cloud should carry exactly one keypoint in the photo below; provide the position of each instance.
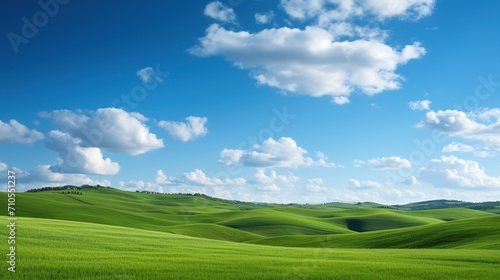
(198, 177)
(410, 181)
(384, 163)
(148, 74)
(264, 18)
(221, 12)
(3, 167)
(421, 105)
(162, 179)
(193, 128)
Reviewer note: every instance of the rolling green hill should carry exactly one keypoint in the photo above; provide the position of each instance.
(362, 225)
(104, 233)
(57, 249)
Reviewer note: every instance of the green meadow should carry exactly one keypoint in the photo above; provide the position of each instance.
(111, 234)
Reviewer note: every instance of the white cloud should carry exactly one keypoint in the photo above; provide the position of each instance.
(264, 18)
(338, 10)
(482, 126)
(162, 179)
(421, 105)
(140, 186)
(315, 185)
(193, 128)
(16, 132)
(197, 177)
(355, 184)
(3, 167)
(309, 61)
(110, 129)
(42, 176)
(457, 147)
(384, 9)
(147, 75)
(411, 181)
(230, 157)
(384, 163)
(453, 172)
(272, 181)
(221, 12)
(283, 152)
(73, 158)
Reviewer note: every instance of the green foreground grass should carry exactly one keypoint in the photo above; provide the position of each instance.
(55, 249)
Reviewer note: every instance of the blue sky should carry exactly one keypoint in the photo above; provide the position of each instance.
(279, 101)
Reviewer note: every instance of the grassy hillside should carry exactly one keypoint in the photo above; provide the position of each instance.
(205, 217)
(56, 249)
(477, 233)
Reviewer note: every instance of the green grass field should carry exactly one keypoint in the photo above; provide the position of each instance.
(110, 234)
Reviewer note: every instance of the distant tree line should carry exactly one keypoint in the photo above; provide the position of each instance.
(66, 187)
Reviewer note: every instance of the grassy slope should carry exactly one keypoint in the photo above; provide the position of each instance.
(55, 249)
(224, 220)
(477, 233)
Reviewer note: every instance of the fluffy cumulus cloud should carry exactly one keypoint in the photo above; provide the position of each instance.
(309, 61)
(198, 177)
(110, 129)
(421, 105)
(453, 172)
(271, 181)
(283, 152)
(193, 128)
(220, 12)
(384, 163)
(73, 158)
(482, 126)
(16, 132)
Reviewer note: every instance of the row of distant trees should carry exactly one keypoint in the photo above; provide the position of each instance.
(66, 187)
(73, 192)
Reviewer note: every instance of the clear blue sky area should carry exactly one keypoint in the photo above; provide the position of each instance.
(281, 101)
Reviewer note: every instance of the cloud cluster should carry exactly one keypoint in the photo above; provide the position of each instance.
(42, 176)
(482, 127)
(283, 152)
(73, 158)
(193, 128)
(384, 163)
(309, 62)
(341, 10)
(16, 132)
(334, 55)
(453, 172)
(109, 129)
